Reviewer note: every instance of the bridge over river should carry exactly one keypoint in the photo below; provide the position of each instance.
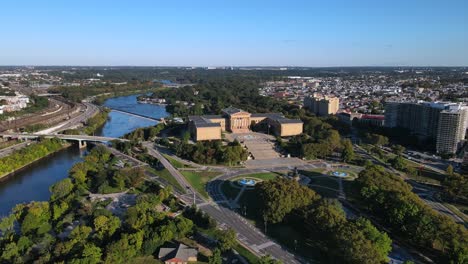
(81, 139)
(138, 115)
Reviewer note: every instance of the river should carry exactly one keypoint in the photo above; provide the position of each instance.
(32, 183)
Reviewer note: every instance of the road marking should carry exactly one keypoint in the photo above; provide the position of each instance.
(265, 245)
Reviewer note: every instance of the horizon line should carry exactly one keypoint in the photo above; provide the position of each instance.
(236, 66)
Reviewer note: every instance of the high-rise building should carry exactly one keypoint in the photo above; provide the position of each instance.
(451, 130)
(322, 105)
(423, 119)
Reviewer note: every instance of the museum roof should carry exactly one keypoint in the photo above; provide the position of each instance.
(278, 117)
(232, 110)
(201, 121)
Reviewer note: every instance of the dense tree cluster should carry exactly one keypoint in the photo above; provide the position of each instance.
(391, 200)
(145, 133)
(340, 240)
(348, 151)
(89, 175)
(214, 93)
(96, 121)
(456, 187)
(281, 196)
(319, 139)
(322, 223)
(77, 94)
(22, 157)
(211, 152)
(70, 228)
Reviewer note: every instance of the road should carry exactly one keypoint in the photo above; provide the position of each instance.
(247, 234)
(89, 111)
(8, 150)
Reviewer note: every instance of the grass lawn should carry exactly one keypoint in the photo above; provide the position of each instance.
(166, 175)
(249, 256)
(231, 192)
(262, 176)
(198, 179)
(177, 164)
(318, 178)
(324, 192)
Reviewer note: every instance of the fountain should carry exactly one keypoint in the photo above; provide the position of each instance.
(339, 174)
(247, 182)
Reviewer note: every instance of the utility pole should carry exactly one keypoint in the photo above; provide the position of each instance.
(265, 223)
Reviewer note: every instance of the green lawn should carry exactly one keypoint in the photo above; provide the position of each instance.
(325, 192)
(231, 192)
(198, 179)
(166, 175)
(321, 179)
(265, 176)
(249, 256)
(177, 164)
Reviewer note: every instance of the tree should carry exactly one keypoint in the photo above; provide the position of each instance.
(398, 163)
(381, 240)
(268, 260)
(106, 226)
(227, 239)
(348, 152)
(280, 196)
(91, 254)
(61, 189)
(398, 149)
(216, 257)
(449, 170)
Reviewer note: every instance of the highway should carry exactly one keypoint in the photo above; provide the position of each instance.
(8, 150)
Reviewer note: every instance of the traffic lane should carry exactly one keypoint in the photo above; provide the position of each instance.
(247, 233)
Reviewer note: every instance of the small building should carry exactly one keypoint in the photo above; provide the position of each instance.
(210, 127)
(181, 254)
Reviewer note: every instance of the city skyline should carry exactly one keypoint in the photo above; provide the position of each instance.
(297, 33)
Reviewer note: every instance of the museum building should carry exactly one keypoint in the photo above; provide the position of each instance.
(210, 127)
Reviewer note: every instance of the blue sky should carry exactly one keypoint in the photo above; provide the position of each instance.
(240, 33)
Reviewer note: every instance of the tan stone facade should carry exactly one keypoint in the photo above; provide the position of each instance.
(322, 105)
(209, 127)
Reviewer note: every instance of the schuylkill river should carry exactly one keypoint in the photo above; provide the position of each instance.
(32, 183)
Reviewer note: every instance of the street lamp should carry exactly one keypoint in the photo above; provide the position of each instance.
(188, 188)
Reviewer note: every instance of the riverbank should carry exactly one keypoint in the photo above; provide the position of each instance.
(96, 122)
(32, 182)
(22, 158)
(100, 99)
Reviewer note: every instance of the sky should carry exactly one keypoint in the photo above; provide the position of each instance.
(234, 33)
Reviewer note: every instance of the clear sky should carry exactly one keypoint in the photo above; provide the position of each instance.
(234, 32)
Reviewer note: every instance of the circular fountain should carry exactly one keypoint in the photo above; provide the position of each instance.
(339, 174)
(246, 182)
